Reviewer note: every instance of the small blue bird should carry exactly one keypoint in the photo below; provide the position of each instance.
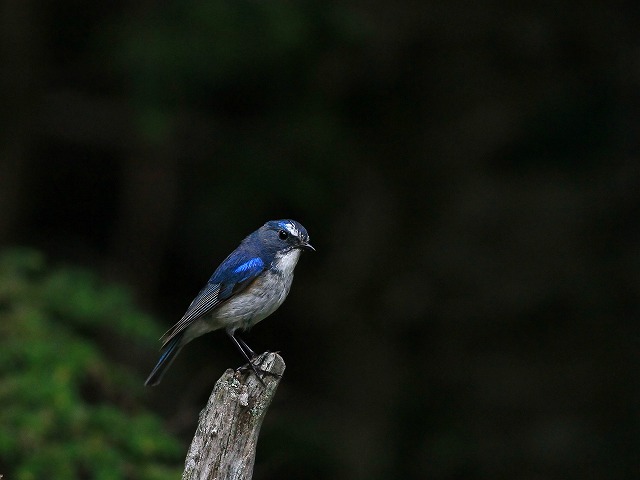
(248, 286)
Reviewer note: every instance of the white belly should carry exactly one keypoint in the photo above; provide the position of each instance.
(259, 299)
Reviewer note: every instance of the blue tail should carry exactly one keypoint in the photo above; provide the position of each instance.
(169, 353)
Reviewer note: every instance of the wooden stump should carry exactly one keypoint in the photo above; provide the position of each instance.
(224, 445)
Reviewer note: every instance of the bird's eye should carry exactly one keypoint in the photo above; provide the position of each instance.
(283, 234)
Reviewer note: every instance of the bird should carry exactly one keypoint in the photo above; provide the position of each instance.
(248, 286)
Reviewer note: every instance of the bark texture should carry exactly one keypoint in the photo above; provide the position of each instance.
(224, 445)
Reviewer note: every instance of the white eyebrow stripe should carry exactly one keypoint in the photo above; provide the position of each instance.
(292, 229)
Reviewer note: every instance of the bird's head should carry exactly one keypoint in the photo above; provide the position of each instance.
(283, 236)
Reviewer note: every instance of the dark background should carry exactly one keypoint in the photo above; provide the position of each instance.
(468, 173)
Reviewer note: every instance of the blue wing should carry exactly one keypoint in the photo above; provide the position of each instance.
(231, 277)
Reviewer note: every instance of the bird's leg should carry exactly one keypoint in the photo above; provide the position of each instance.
(245, 354)
(246, 348)
(253, 355)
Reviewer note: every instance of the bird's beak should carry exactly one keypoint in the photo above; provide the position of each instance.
(306, 246)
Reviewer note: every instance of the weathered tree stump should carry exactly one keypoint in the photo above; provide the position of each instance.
(224, 445)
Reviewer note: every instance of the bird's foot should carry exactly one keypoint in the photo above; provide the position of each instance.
(255, 368)
(258, 356)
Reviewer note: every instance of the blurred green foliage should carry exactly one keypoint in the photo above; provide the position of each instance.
(67, 410)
